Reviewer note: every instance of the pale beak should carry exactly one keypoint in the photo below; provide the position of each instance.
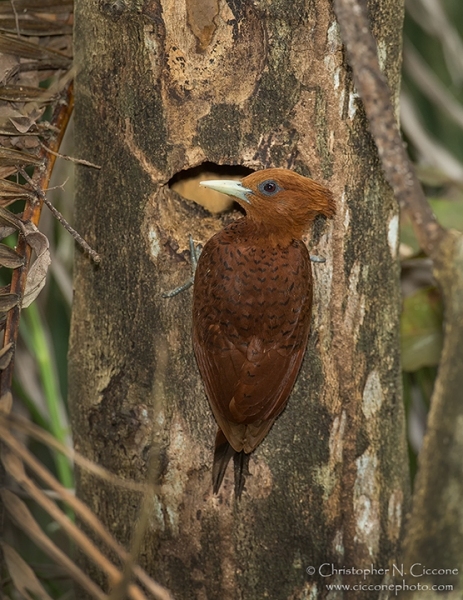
(230, 187)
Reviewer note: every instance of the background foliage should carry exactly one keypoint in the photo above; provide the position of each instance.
(432, 122)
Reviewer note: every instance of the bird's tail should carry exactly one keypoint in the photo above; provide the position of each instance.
(222, 454)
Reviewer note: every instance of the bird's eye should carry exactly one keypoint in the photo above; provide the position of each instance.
(269, 187)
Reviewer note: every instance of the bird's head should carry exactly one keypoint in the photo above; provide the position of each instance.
(278, 199)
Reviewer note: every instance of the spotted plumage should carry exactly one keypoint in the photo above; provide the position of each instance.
(252, 309)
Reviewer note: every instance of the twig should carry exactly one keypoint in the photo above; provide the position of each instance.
(55, 212)
(16, 18)
(430, 149)
(431, 16)
(376, 96)
(77, 161)
(430, 85)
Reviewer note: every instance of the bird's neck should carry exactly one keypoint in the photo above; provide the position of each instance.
(267, 233)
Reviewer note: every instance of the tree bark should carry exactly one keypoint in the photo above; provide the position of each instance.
(164, 87)
(438, 493)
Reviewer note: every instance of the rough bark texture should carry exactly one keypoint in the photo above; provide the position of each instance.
(437, 499)
(163, 87)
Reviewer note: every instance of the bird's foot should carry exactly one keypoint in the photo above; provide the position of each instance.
(195, 252)
(317, 259)
(181, 288)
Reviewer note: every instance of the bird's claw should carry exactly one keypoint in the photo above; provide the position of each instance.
(195, 252)
(179, 289)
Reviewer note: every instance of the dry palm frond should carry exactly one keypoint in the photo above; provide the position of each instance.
(35, 73)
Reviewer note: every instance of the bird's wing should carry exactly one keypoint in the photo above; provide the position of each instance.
(249, 348)
(246, 407)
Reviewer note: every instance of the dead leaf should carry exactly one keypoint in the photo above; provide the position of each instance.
(6, 171)
(26, 522)
(37, 275)
(11, 191)
(25, 49)
(13, 158)
(6, 401)
(8, 301)
(35, 27)
(25, 93)
(20, 124)
(24, 578)
(9, 219)
(8, 66)
(24, 125)
(9, 258)
(6, 354)
(5, 231)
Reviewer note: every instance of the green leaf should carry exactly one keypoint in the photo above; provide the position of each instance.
(421, 329)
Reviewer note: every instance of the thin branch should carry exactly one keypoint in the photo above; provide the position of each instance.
(431, 85)
(59, 217)
(374, 91)
(430, 149)
(431, 16)
(16, 18)
(77, 161)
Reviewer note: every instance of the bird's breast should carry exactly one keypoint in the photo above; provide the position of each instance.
(247, 290)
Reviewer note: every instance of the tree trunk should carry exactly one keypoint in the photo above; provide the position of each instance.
(438, 493)
(165, 87)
